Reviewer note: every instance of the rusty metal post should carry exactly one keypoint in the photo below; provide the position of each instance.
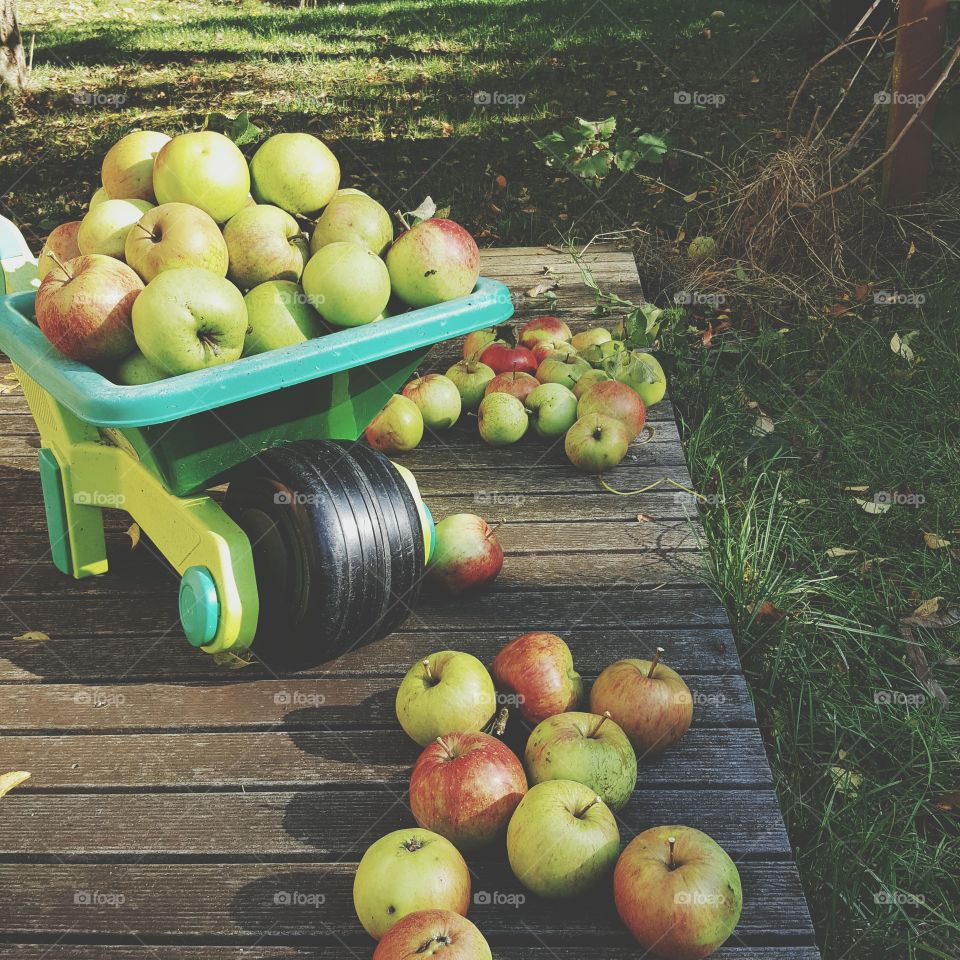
(916, 65)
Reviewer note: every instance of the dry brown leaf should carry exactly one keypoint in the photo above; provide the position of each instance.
(644, 518)
(133, 532)
(868, 565)
(840, 552)
(948, 802)
(35, 635)
(918, 660)
(226, 658)
(857, 488)
(545, 286)
(934, 542)
(13, 779)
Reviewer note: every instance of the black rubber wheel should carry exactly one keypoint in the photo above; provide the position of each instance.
(333, 548)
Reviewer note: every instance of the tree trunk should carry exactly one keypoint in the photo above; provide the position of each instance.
(13, 67)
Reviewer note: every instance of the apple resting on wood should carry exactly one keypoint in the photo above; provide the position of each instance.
(467, 554)
(433, 933)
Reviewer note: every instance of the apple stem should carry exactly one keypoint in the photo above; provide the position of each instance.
(671, 842)
(600, 723)
(149, 233)
(499, 724)
(60, 264)
(445, 748)
(495, 527)
(580, 813)
(656, 659)
(426, 668)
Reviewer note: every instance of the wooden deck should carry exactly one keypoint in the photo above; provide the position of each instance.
(176, 808)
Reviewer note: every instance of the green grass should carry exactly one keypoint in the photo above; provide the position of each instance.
(391, 86)
(861, 780)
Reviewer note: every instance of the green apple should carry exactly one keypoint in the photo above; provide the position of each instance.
(127, 169)
(448, 692)
(353, 216)
(349, 285)
(279, 315)
(265, 243)
(502, 419)
(99, 195)
(587, 380)
(438, 399)
(552, 408)
(405, 872)
(562, 840)
(189, 319)
(137, 369)
(639, 370)
(104, 229)
(592, 750)
(172, 236)
(596, 442)
(587, 338)
(471, 378)
(206, 169)
(397, 428)
(296, 172)
(597, 353)
(562, 368)
(678, 892)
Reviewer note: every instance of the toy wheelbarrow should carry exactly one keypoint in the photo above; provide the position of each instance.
(320, 543)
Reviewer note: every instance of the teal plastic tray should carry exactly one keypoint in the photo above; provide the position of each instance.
(98, 401)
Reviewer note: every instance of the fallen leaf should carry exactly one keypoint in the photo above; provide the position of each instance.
(32, 635)
(690, 197)
(226, 658)
(542, 288)
(948, 802)
(763, 424)
(841, 552)
(928, 608)
(901, 345)
(912, 250)
(500, 182)
(921, 668)
(644, 518)
(930, 616)
(934, 542)
(857, 488)
(868, 565)
(767, 611)
(861, 291)
(871, 506)
(13, 779)
(846, 781)
(133, 532)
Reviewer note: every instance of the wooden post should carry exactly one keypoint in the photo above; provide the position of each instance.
(916, 65)
(13, 68)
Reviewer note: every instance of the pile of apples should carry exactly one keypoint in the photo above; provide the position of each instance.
(675, 889)
(191, 257)
(585, 387)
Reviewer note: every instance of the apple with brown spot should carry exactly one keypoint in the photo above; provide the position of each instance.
(537, 668)
(648, 700)
(467, 554)
(435, 261)
(84, 308)
(519, 385)
(465, 786)
(616, 400)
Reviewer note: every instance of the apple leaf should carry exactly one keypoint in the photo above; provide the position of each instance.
(35, 635)
(13, 779)
(424, 212)
(238, 129)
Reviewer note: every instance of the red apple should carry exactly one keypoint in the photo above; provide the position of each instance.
(543, 328)
(650, 702)
(465, 786)
(475, 343)
(397, 428)
(84, 308)
(435, 261)
(678, 892)
(537, 668)
(429, 933)
(616, 400)
(62, 242)
(502, 358)
(467, 554)
(516, 384)
(545, 348)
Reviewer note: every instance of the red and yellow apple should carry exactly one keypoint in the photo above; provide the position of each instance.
(467, 554)
(433, 933)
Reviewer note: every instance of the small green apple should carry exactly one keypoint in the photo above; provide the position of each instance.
(206, 169)
(127, 169)
(596, 443)
(561, 368)
(639, 370)
(447, 692)
(175, 235)
(397, 428)
(104, 229)
(471, 378)
(265, 243)
(597, 353)
(553, 409)
(580, 746)
(296, 172)
(438, 399)
(589, 379)
(137, 369)
(189, 319)
(587, 338)
(502, 419)
(279, 315)
(353, 216)
(349, 285)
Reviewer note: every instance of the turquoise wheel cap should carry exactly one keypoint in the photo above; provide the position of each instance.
(199, 606)
(432, 529)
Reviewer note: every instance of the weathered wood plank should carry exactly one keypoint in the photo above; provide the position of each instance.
(251, 902)
(321, 825)
(170, 659)
(318, 703)
(291, 758)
